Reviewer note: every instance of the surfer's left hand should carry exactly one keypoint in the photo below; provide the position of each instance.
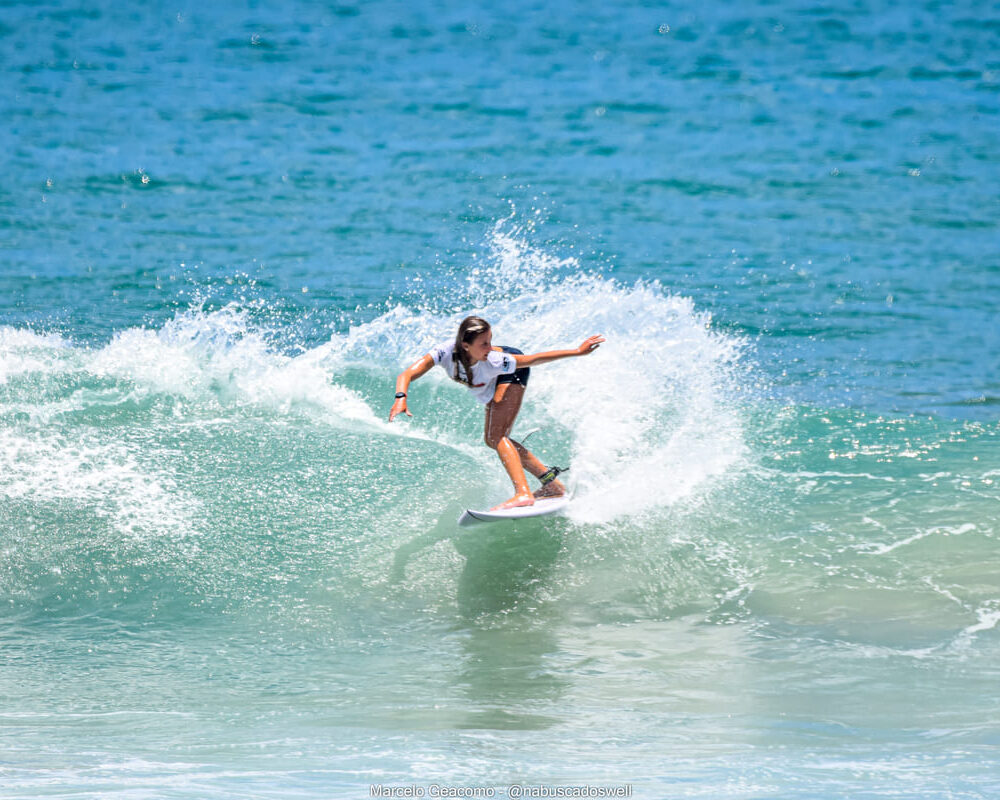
(590, 344)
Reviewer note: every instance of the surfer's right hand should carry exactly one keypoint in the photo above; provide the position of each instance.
(399, 407)
(590, 344)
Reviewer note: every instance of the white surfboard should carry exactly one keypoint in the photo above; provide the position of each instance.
(542, 507)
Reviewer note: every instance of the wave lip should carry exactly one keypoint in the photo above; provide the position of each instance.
(218, 358)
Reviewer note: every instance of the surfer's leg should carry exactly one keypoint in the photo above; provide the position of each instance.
(533, 465)
(529, 461)
(500, 415)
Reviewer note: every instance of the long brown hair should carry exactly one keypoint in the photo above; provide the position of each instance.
(470, 328)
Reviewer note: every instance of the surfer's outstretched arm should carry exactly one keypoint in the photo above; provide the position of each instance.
(411, 373)
(590, 344)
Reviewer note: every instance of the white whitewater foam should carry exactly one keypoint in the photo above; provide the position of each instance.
(104, 477)
(23, 351)
(217, 357)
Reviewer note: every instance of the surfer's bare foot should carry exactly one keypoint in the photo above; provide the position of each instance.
(551, 489)
(517, 501)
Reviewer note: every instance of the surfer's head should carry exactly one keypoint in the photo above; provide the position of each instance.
(472, 343)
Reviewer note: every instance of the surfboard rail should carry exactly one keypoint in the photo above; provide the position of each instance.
(543, 507)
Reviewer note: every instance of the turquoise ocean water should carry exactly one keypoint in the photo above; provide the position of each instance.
(225, 228)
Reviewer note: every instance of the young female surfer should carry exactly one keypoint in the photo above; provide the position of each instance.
(497, 377)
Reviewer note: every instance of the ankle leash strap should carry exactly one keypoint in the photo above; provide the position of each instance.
(551, 475)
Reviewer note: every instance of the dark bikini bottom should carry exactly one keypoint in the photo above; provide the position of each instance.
(520, 376)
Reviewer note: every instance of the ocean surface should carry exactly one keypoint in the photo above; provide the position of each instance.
(226, 227)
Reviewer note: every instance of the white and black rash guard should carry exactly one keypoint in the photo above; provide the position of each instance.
(484, 373)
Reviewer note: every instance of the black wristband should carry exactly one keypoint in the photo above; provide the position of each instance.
(400, 394)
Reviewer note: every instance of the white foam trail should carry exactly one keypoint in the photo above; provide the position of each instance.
(946, 530)
(988, 618)
(850, 475)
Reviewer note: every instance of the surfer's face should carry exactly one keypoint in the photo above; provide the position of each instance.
(481, 346)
